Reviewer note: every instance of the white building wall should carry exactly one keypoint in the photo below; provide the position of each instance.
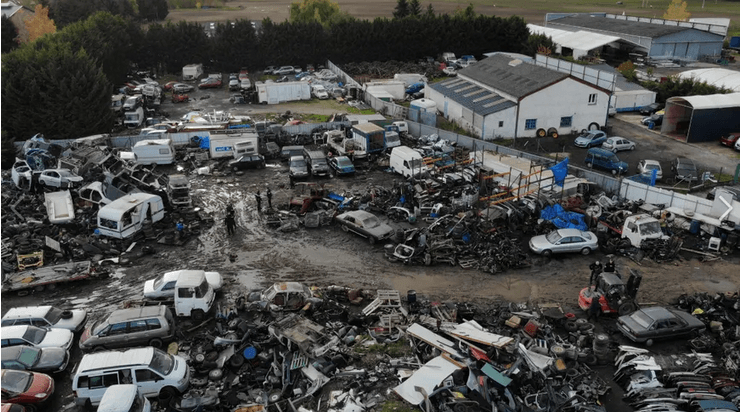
(632, 100)
(567, 98)
(492, 130)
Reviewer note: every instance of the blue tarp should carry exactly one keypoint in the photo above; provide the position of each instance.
(563, 219)
(560, 170)
(204, 142)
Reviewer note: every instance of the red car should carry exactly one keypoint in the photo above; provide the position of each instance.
(12, 407)
(26, 387)
(210, 84)
(729, 140)
(180, 98)
(168, 85)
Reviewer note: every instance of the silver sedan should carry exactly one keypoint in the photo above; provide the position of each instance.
(564, 241)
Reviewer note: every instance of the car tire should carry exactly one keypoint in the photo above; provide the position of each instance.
(235, 169)
(100, 348)
(593, 126)
(633, 147)
(344, 228)
(547, 253)
(66, 314)
(586, 251)
(589, 165)
(540, 133)
(552, 132)
(371, 240)
(626, 308)
(156, 343)
(649, 342)
(198, 315)
(614, 172)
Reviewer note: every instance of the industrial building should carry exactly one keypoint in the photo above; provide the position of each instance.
(702, 118)
(503, 97)
(655, 39)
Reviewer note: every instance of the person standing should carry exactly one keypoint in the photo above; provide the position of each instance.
(595, 309)
(258, 199)
(270, 199)
(229, 220)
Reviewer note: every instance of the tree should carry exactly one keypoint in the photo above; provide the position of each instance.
(538, 43)
(323, 12)
(628, 70)
(9, 34)
(66, 12)
(152, 10)
(677, 11)
(414, 8)
(40, 24)
(55, 90)
(430, 12)
(401, 10)
(467, 13)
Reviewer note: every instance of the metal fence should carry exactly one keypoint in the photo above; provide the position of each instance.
(635, 190)
(343, 77)
(390, 109)
(308, 128)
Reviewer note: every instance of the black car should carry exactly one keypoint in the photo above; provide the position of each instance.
(651, 108)
(254, 161)
(650, 324)
(684, 169)
(28, 358)
(297, 168)
(656, 118)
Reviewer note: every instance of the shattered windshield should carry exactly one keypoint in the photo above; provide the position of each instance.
(650, 228)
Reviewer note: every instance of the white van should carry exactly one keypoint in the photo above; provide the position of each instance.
(154, 152)
(151, 370)
(407, 161)
(194, 296)
(124, 398)
(126, 215)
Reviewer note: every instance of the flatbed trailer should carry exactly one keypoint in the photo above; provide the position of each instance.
(40, 278)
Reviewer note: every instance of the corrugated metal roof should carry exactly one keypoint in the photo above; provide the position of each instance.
(10, 8)
(517, 80)
(714, 76)
(711, 101)
(579, 40)
(621, 83)
(632, 28)
(476, 98)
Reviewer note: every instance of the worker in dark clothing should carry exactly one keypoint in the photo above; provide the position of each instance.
(270, 199)
(595, 309)
(596, 268)
(258, 198)
(610, 265)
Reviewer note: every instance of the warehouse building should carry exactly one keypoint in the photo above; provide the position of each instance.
(656, 39)
(502, 97)
(702, 118)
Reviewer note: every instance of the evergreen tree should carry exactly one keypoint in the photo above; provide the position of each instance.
(414, 8)
(430, 12)
(401, 10)
(55, 90)
(152, 10)
(65, 12)
(9, 34)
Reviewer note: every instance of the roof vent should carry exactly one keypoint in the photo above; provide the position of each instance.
(515, 62)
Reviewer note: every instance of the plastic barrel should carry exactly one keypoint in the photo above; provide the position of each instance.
(651, 125)
(411, 296)
(695, 227)
(249, 352)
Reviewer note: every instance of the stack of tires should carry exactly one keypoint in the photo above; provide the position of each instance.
(601, 348)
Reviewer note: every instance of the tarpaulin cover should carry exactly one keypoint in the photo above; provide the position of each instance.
(205, 142)
(563, 219)
(560, 170)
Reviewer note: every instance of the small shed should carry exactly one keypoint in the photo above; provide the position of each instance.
(701, 118)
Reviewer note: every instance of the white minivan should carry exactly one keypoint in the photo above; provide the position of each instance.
(407, 161)
(153, 371)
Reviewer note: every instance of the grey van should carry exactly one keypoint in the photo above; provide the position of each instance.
(605, 159)
(146, 325)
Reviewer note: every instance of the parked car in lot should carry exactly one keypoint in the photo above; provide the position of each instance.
(647, 166)
(319, 92)
(684, 169)
(36, 337)
(145, 325)
(341, 165)
(46, 317)
(616, 144)
(651, 108)
(656, 119)
(27, 358)
(254, 161)
(269, 70)
(590, 138)
(297, 168)
(168, 85)
(26, 388)
(564, 241)
(163, 286)
(653, 323)
(124, 398)
(287, 70)
(365, 224)
(450, 71)
(729, 139)
(605, 159)
(210, 83)
(234, 84)
(181, 88)
(59, 178)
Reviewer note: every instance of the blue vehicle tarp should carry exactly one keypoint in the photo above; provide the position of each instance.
(563, 219)
(560, 170)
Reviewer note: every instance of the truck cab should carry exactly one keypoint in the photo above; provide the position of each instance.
(407, 162)
(391, 138)
(636, 228)
(194, 296)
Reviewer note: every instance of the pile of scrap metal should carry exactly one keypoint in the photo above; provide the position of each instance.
(720, 313)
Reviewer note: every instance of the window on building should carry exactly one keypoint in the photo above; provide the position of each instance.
(531, 124)
(593, 98)
(566, 121)
(501, 123)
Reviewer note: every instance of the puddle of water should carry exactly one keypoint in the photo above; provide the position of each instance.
(250, 278)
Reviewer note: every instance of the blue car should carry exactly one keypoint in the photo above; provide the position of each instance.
(414, 88)
(590, 138)
(341, 165)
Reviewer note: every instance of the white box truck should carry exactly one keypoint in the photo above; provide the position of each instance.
(192, 72)
(223, 145)
(274, 93)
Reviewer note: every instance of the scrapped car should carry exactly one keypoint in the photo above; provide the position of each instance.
(297, 168)
(233, 84)
(650, 324)
(269, 70)
(714, 192)
(210, 83)
(590, 138)
(36, 337)
(647, 166)
(28, 388)
(27, 358)
(46, 317)
(286, 70)
(656, 119)
(684, 169)
(145, 325)
(124, 398)
(181, 88)
(254, 161)
(729, 139)
(163, 286)
(180, 98)
(651, 108)
(365, 224)
(616, 144)
(13, 407)
(21, 174)
(341, 165)
(450, 71)
(564, 241)
(287, 295)
(59, 178)
(319, 92)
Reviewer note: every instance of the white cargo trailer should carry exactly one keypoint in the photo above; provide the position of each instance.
(274, 93)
